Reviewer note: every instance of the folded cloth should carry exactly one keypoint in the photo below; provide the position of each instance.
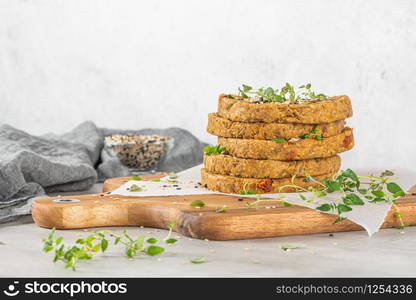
(32, 165)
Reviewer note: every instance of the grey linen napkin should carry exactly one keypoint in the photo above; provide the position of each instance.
(31, 166)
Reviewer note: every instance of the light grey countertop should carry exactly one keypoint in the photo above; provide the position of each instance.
(389, 253)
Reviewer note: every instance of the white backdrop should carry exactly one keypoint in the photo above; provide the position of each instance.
(135, 64)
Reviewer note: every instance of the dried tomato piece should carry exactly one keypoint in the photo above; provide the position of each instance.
(265, 186)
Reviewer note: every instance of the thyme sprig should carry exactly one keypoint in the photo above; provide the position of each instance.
(85, 248)
(313, 134)
(213, 150)
(286, 94)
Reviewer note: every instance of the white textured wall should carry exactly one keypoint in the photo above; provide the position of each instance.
(134, 64)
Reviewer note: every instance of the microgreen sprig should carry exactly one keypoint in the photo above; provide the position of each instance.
(287, 94)
(313, 134)
(168, 239)
(197, 203)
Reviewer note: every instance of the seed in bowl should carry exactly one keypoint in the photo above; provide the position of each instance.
(139, 152)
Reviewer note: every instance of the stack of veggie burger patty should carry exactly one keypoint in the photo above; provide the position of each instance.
(275, 140)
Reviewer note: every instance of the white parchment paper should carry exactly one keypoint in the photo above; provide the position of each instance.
(370, 216)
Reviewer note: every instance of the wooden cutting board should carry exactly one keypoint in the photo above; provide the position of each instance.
(238, 222)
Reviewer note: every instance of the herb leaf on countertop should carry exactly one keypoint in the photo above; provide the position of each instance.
(197, 203)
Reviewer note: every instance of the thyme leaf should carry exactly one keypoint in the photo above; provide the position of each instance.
(213, 150)
(86, 248)
(303, 94)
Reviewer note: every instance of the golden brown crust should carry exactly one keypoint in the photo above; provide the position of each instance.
(333, 109)
(234, 185)
(254, 168)
(301, 149)
(266, 131)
